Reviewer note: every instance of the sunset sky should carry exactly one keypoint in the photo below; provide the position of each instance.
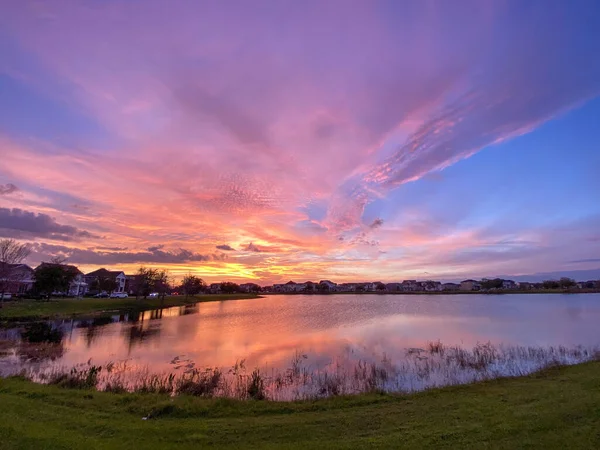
(268, 141)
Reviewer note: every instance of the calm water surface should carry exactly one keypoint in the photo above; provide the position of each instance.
(268, 332)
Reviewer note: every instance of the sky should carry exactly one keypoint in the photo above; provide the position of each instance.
(274, 140)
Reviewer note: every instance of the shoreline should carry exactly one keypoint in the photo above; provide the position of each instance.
(553, 408)
(498, 292)
(26, 311)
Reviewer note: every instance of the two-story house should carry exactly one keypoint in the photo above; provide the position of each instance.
(106, 280)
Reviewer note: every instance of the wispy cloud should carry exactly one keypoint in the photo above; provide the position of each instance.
(8, 188)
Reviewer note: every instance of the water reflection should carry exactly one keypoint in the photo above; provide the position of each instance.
(268, 332)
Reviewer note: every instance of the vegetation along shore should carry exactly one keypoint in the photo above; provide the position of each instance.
(555, 408)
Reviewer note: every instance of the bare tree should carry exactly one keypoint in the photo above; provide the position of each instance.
(11, 254)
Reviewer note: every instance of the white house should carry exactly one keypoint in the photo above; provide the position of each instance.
(95, 278)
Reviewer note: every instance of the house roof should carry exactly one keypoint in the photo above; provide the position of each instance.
(19, 266)
(104, 273)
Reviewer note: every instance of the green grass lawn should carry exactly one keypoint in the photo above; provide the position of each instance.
(557, 408)
(24, 310)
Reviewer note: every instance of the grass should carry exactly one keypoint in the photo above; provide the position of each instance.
(556, 408)
(29, 310)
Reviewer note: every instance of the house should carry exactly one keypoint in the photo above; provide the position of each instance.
(525, 286)
(410, 285)
(431, 286)
(370, 287)
(77, 287)
(347, 287)
(450, 287)
(393, 287)
(469, 285)
(290, 286)
(16, 279)
(509, 284)
(327, 285)
(279, 287)
(106, 280)
(215, 288)
(249, 287)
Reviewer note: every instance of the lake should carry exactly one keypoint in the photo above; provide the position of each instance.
(271, 332)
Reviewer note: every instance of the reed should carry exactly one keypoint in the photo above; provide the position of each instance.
(438, 365)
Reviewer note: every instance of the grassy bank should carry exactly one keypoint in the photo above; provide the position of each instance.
(28, 310)
(557, 408)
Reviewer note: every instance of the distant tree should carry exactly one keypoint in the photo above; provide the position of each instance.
(162, 283)
(52, 277)
(322, 287)
(360, 288)
(192, 285)
(551, 284)
(496, 283)
(380, 286)
(11, 252)
(567, 283)
(229, 287)
(149, 280)
(106, 283)
(143, 282)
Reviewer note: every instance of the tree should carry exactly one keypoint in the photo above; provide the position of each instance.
(192, 285)
(229, 288)
(496, 283)
(567, 283)
(105, 283)
(149, 280)
(11, 253)
(53, 276)
(322, 287)
(380, 286)
(551, 284)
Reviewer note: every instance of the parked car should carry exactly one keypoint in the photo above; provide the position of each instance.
(6, 296)
(102, 295)
(119, 295)
(153, 295)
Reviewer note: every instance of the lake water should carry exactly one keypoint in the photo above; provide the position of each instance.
(268, 332)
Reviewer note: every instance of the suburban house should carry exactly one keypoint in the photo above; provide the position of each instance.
(431, 286)
(98, 279)
(469, 285)
(393, 287)
(450, 287)
(509, 284)
(327, 285)
(16, 279)
(410, 285)
(347, 287)
(249, 287)
(215, 288)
